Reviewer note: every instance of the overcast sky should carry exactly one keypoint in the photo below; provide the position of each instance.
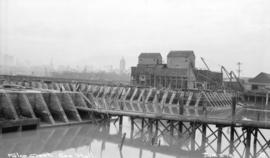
(100, 32)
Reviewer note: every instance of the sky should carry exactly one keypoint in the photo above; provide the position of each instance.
(100, 32)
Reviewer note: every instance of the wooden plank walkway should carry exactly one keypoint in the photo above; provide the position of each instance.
(215, 116)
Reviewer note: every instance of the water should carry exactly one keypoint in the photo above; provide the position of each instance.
(103, 141)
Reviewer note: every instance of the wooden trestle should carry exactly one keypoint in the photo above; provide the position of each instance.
(155, 109)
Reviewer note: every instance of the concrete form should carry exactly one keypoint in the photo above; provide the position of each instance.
(31, 108)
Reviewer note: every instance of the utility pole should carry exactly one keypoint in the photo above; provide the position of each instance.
(239, 69)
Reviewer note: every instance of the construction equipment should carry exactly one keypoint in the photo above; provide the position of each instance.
(205, 64)
(223, 69)
(231, 76)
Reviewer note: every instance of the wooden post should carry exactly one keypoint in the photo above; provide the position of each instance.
(150, 125)
(255, 142)
(132, 127)
(121, 117)
(181, 112)
(232, 140)
(258, 116)
(120, 126)
(248, 140)
(203, 136)
(120, 121)
(140, 154)
(219, 141)
(181, 106)
(156, 128)
(108, 125)
(122, 141)
(180, 128)
(204, 102)
(142, 124)
(171, 127)
(233, 107)
(193, 136)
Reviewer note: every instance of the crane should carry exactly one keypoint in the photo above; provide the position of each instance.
(231, 75)
(205, 63)
(223, 69)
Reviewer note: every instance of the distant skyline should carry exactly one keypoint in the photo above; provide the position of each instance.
(101, 32)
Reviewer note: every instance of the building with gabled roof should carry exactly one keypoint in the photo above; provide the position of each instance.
(178, 73)
(181, 53)
(261, 81)
(150, 59)
(181, 59)
(258, 89)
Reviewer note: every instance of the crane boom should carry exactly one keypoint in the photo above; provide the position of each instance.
(205, 63)
(233, 75)
(223, 69)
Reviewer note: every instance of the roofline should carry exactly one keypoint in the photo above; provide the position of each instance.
(151, 54)
(191, 52)
(259, 83)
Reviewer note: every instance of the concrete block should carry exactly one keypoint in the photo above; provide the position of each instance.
(69, 107)
(25, 106)
(40, 108)
(7, 108)
(55, 107)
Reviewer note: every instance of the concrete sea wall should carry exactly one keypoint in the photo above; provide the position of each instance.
(19, 109)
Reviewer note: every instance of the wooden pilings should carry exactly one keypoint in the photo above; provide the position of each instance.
(204, 139)
(120, 120)
(255, 142)
(234, 102)
(225, 141)
(232, 131)
(219, 139)
(157, 127)
(171, 127)
(193, 135)
(248, 142)
(122, 141)
(180, 127)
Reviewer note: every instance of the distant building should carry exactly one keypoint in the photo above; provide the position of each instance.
(178, 73)
(150, 59)
(122, 65)
(181, 59)
(258, 89)
(260, 82)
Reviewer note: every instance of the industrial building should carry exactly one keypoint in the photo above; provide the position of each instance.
(260, 82)
(258, 89)
(179, 72)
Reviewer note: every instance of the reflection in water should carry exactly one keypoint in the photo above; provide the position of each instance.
(103, 140)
